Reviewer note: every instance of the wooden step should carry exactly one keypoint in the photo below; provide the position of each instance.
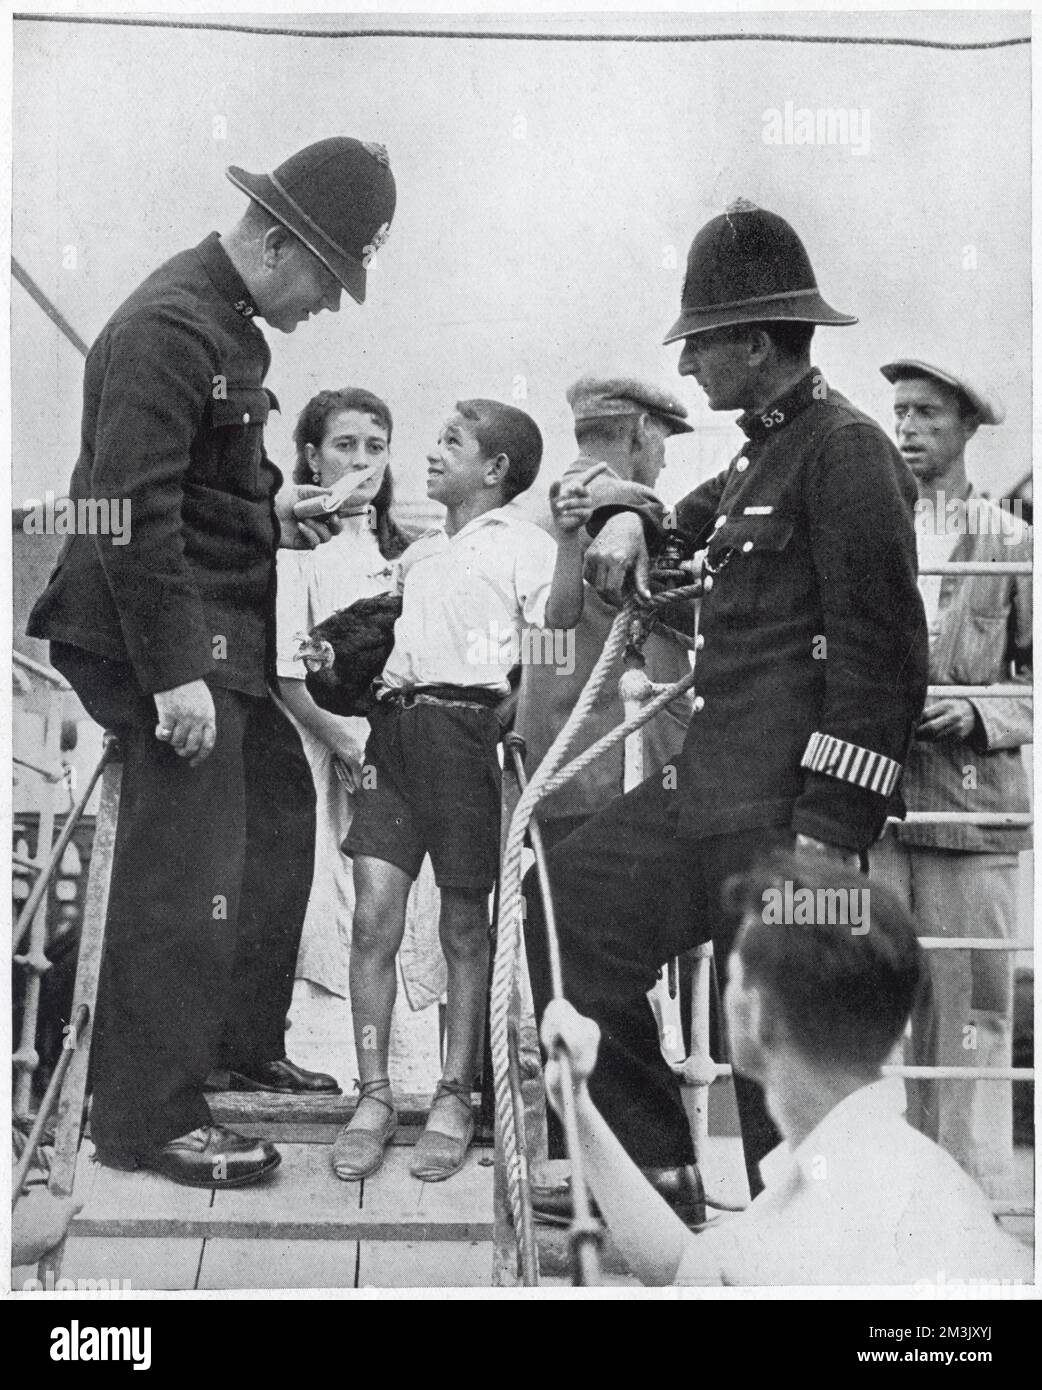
(295, 1119)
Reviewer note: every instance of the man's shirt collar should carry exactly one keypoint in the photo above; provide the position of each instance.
(840, 1133)
(760, 425)
(502, 516)
(226, 277)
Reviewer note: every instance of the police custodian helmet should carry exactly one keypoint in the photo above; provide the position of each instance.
(749, 266)
(337, 197)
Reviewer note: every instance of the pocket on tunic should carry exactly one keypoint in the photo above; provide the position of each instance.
(238, 431)
(743, 557)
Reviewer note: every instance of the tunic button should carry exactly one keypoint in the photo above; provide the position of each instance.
(719, 522)
(742, 464)
(246, 418)
(700, 641)
(699, 704)
(707, 583)
(747, 546)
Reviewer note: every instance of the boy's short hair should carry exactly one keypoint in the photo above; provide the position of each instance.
(845, 996)
(503, 429)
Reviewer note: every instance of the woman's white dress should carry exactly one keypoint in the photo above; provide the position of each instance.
(312, 585)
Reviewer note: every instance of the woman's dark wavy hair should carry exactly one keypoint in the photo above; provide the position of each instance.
(311, 429)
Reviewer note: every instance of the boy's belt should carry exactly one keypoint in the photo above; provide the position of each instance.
(469, 696)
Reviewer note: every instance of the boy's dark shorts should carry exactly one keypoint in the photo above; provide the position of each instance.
(431, 785)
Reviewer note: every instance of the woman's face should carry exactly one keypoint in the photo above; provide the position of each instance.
(353, 442)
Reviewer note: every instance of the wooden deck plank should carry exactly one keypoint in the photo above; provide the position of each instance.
(278, 1264)
(301, 1200)
(463, 1204)
(432, 1264)
(130, 1264)
(303, 1191)
(110, 1195)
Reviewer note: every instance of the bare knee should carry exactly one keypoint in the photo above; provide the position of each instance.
(463, 925)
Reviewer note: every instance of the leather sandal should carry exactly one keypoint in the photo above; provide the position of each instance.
(358, 1153)
(438, 1156)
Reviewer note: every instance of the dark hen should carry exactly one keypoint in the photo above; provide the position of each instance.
(345, 653)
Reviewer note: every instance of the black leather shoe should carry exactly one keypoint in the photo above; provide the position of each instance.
(284, 1076)
(210, 1156)
(680, 1187)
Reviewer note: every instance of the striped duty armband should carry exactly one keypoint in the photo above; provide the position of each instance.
(835, 757)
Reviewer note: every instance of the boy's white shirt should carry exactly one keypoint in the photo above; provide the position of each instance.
(466, 600)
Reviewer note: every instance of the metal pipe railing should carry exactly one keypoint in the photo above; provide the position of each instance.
(1011, 690)
(33, 919)
(978, 567)
(50, 1099)
(1008, 818)
(109, 750)
(36, 668)
(69, 1125)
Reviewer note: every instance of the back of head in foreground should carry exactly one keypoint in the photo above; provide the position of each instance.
(834, 957)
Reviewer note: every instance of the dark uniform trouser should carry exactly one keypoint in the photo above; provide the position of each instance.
(210, 882)
(627, 897)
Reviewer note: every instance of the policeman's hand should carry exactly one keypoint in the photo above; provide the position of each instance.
(564, 1027)
(954, 719)
(187, 720)
(619, 553)
(814, 851)
(303, 521)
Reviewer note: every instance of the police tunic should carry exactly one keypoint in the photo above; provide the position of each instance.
(811, 658)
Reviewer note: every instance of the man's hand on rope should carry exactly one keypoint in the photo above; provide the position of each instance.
(304, 521)
(619, 553)
(563, 1026)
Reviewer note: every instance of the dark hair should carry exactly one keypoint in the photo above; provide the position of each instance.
(967, 410)
(845, 996)
(791, 337)
(503, 429)
(311, 429)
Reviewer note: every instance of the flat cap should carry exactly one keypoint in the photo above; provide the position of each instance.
(597, 397)
(985, 403)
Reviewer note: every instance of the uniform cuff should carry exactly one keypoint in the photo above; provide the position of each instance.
(849, 762)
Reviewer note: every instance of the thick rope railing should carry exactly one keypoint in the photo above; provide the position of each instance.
(550, 775)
